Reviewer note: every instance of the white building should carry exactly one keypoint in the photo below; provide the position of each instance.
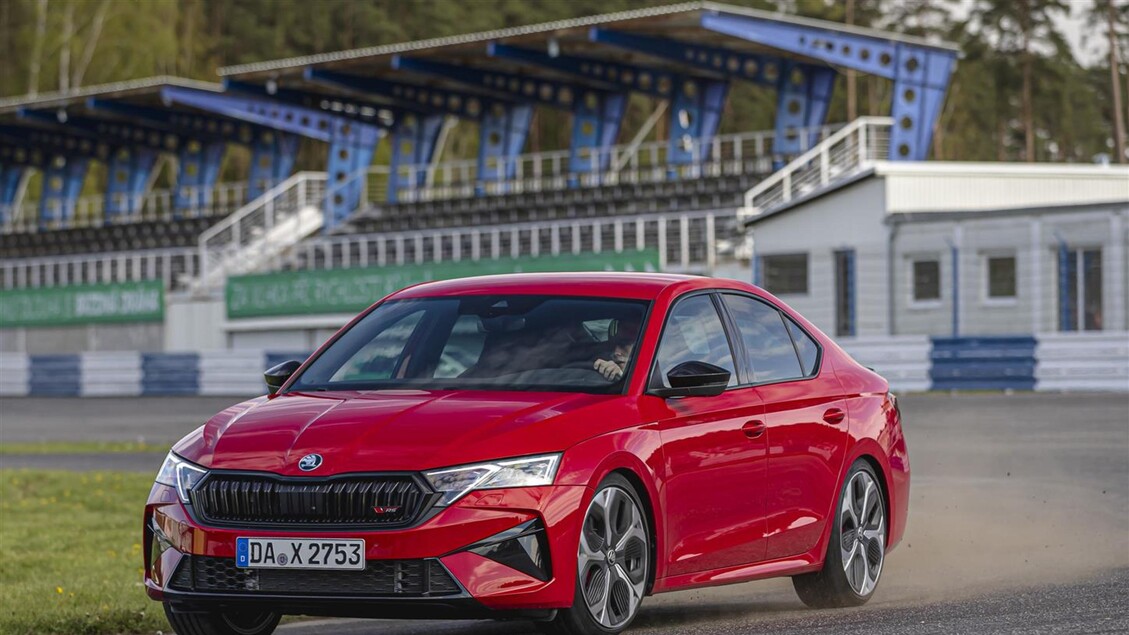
(938, 248)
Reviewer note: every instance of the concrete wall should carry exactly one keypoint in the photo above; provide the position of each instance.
(61, 340)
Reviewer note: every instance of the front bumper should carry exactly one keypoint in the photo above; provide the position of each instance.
(465, 555)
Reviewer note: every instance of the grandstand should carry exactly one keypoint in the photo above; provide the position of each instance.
(612, 190)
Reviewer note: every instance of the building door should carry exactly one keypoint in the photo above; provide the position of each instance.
(845, 292)
(1080, 289)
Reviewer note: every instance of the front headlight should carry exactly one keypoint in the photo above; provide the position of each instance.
(531, 471)
(178, 473)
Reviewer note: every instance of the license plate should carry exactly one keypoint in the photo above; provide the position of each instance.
(299, 553)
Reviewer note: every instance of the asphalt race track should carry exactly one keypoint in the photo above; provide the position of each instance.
(1019, 520)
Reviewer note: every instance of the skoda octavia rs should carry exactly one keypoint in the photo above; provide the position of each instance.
(550, 447)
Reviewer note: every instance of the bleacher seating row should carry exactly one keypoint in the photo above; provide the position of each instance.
(608, 200)
(112, 238)
(593, 202)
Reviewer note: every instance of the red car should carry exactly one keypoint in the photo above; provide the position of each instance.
(552, 447)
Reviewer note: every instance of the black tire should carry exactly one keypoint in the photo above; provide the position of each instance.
(578, 619)
(251, 623)
(833, 587)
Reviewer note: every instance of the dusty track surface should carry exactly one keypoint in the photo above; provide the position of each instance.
(1019, 521)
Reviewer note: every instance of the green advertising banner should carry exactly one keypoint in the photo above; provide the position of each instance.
(83, 304)
(351, 290)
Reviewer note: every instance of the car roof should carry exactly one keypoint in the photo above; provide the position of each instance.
(633, 285)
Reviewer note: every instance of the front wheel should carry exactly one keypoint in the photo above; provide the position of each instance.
(223, 623)
(857, 548)
(613, 563)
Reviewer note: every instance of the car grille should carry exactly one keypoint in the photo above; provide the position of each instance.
(380, 578)
(259, 500)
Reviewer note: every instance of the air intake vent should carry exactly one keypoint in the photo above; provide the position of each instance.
(352, 501)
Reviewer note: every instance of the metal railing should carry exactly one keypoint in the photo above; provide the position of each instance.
(649, 162)
(281, 216)
(686, 242)
(174, 266)
(728, 154)
(840, 156)
(157, 205)
(260, 231)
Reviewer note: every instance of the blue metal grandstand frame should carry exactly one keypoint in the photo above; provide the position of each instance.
(351, 143)
(272, 152)
(11, 176)
(803, 90)
(920, 73)
(597, 113)
(503, 123)
(414, 131)
(128, 172)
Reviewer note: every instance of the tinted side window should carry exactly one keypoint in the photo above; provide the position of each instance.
(805, 345)
(694, 333)
(771, 354)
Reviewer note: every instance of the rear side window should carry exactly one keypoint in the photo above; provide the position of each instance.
(771, 355)
(805, 346)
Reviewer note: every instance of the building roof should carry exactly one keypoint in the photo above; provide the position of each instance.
(675, 20)
(146, 88)
(916, 189)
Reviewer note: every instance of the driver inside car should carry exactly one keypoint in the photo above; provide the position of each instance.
(622, 336)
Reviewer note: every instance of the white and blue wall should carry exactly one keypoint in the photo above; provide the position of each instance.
(912, 363)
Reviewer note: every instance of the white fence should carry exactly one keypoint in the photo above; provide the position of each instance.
(174, 266)
(904, 360)
(1065, 362)
(838, 157)
(1083, 361)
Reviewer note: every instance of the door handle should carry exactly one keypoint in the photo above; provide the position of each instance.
(753, 429)
(834, 416)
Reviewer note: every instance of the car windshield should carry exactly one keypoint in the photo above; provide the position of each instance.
(485, 342)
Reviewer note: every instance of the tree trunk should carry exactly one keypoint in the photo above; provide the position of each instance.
(1028, 62)
(1115, 88)
(852, 76)
(92, 38)
(65, 49)
(37, 47)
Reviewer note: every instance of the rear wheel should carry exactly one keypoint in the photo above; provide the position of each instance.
(857, 549)
(613, 563)
(225, 623)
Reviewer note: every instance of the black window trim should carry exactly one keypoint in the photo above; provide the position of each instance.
(723, 317)
(783, 316)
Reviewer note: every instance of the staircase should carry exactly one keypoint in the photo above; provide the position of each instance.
(843, 155)
(261, 230)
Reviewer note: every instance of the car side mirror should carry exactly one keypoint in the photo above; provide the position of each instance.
(277, 376)
(694, 379)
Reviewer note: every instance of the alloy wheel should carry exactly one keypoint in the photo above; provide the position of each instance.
(613, 557)
(862, 525)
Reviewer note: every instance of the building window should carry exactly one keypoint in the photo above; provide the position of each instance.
(1080, 289)
(926, 281)
(787, 273)
(1000, 272)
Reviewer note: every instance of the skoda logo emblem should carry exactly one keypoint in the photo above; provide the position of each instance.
(309, 463)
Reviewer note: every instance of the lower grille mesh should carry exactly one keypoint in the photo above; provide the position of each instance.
(380, 578)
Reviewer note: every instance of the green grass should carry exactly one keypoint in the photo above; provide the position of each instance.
(80, 447)
(70, 554)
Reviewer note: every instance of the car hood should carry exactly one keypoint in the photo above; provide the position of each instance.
(391, 430)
